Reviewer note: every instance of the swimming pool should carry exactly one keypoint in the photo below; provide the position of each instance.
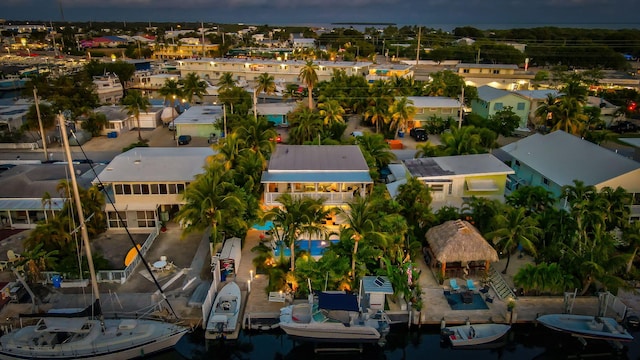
(317, 247)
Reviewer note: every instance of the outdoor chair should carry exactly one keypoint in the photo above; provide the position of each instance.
(454, 284)
(470, 285)
(489, 298)
(12, 257)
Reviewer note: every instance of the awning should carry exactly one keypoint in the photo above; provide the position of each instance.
(482, 185)
(30, 204)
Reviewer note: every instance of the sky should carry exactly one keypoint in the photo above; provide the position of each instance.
(439, 14)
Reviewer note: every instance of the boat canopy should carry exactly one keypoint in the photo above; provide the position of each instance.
(337, 301)
(90, 311)
(64, 324)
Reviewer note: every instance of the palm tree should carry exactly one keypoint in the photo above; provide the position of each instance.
(402, 110)
(213, 200)
(331, 112)
(304, 125)
(226, 81)
(295, 217)
(377, 112)
(570, 117)
(535, 199)
(170, 91)
(547, 111)
(37, 260)
(428, 149)
(258, 135)
(514, 228)
(360, 221)
(266, 84)
(192, 86)
(309, 76)
(228, 150)
(373, 145)
(461, 141)
(135, 104)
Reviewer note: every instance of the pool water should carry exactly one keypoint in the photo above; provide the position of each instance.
(317, 247)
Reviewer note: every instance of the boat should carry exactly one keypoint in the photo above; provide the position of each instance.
(87, 334)
(473, 335)
(334, 317)
(225, 310)
(586, 326)
(12, 82)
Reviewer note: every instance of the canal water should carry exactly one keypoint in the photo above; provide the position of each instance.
(523, 342)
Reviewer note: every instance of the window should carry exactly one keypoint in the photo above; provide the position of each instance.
(113, 219)
(145, 189)
(465, 71)
(154, 189)
(163, 188)
(497, 106)
(180, 188)
(545, 181)
(520, 106)
(635, 199)
(118, 189)
(146, 218)
(137, 189)
(517, 163)
(436, 187)
(496, 71)
(450, 189)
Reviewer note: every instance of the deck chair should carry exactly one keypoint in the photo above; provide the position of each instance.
(12, 257)
(470, 285)
(454, 285)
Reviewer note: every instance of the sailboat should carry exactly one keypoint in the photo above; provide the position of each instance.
(87, 334)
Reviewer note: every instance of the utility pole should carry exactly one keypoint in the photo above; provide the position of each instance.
(478, 57)
(461, 108)
(42, 135)
(224, 118)
(418, 49)
(202, 29)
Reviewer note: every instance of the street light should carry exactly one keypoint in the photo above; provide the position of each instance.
(357, 52)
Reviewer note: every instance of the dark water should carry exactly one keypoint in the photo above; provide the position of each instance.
(523, 342)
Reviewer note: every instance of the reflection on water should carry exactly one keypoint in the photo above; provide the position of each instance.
(523, 342)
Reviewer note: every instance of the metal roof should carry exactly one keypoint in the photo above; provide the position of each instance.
(318, 158)
(31, 181)
(30, 204)
(146, 164)
(562, 157)
(276, 108)
(538, 94)
(200, 115)
(456, 165)
(487, 66)
(488, 93)
(377, 284)
(434, 102)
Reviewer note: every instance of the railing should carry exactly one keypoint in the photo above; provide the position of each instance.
(119, 276)
(330, 198)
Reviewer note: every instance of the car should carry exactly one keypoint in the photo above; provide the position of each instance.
(622, 127)
(184, 139)
(418, 134)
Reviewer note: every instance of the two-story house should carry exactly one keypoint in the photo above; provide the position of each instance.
(428, 107)
(453, 179)
(491, 100)
(502, 76)
(146, 183)
(557, 159)
(387, 72)
(335, 173)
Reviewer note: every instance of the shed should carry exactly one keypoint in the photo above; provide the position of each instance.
(457, 241)
(375, 288)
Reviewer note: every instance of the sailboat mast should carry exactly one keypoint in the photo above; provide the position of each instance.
(76, 196)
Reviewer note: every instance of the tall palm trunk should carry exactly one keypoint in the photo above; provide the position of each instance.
(507, 265)
(139, 134)
(353, 260)
(310, 89)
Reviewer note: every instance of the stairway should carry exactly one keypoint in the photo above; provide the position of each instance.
(499, 285)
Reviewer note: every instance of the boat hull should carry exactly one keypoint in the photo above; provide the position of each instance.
(333, 332)
(225, 320)
(478, 334)
(586, 326)
(127, 345)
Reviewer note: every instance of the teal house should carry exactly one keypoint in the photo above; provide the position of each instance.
(491, 100)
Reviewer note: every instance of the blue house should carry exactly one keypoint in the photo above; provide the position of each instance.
(491, 100)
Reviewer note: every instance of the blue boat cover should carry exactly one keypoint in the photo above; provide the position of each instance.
(337, 301)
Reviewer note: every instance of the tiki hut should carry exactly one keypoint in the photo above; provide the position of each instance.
(457, 246)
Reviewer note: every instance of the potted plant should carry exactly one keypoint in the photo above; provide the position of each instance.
(511, 304)
(163, 226)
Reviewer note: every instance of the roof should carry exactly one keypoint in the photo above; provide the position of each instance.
(377, 284)
(31, 204)
(434, 102)
(319, 158)
(275, 108)
(317, 176)
(113, 112)
(200, 115)
(487, 66)
(562, 158)
(458, 240)
(456, 165)
(31, 181)
(537, 94)
(144, 164)
(488, 93)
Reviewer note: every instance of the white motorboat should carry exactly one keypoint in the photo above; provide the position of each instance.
(472, 335)
(586, 326)
(87, 334)
(335, 317)
(225, 310)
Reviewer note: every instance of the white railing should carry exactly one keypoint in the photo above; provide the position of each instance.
(118, 276)
(330, 198)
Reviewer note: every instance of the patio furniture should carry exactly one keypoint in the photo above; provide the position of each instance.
(485, 289)
(12, 257)
(489, 298)
(470, 285)
(454, 284)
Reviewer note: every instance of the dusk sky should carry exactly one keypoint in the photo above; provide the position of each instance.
(444, 14)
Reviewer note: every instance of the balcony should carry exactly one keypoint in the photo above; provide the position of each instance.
(330, 198)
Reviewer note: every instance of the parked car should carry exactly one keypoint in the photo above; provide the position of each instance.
(622, 127)
(184, 139)
(418, 134)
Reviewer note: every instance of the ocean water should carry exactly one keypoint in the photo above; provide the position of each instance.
(523, 342)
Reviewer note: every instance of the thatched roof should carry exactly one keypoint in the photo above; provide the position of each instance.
(457, 240)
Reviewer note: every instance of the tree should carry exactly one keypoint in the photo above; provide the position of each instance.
(170, 90)
(266, 84)
(415, 199)
(95, 122)
(135, 104)
(534, 199)
(304, 125)
(226, 81)
(192, 86)
(374, 146)
(514, 228)
(504, 122)
(401, 111)
(309, 76)
(258, 135)
(331, 112)
(570, 117)
(213, 200)
(461, 141)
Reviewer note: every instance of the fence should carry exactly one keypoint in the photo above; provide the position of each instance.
(117, 276)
